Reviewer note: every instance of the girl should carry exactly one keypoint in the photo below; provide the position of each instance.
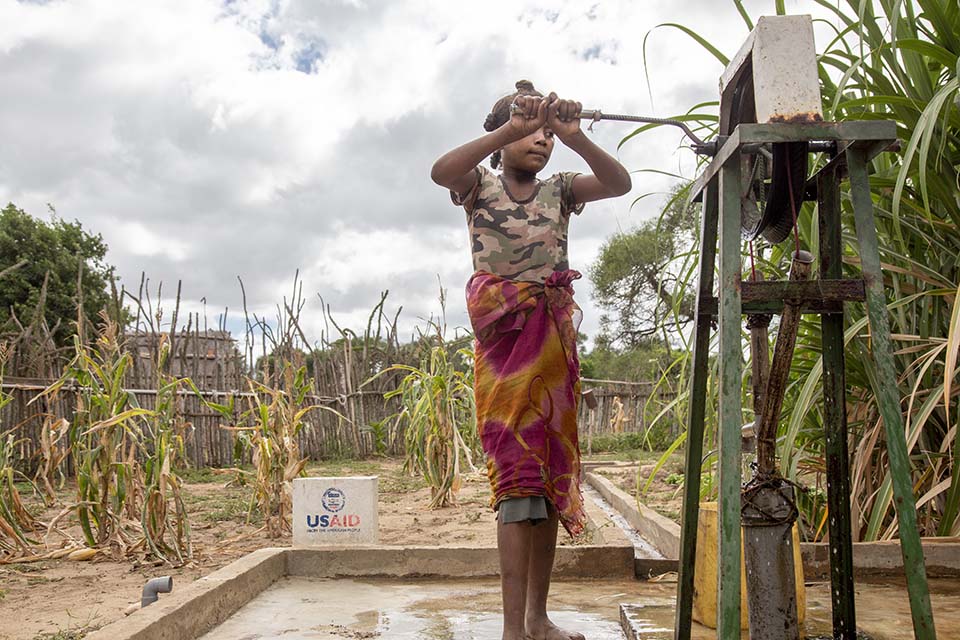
(520, 302)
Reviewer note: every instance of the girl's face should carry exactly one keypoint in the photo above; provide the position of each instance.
(529, 154)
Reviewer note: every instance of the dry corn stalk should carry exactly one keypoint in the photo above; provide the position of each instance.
(53, 451)
(438, 407)
(101, 437)
(276, 415)
(107, 439)
(166, 528)
(16, 523)
(56, 554)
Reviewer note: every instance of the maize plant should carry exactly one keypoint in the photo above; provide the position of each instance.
(16, 523)
(275, 416)
(53, 451)
(163, 518)
(104, 438)
(440, 416)
(15, 520)
(380, 433)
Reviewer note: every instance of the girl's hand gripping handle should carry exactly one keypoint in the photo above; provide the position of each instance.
(563, 117)
(527, 114)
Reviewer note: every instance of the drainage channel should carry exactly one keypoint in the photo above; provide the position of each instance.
(642, 548)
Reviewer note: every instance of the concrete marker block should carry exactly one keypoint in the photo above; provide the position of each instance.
(335, 511)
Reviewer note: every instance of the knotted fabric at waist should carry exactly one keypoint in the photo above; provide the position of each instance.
(527, 388)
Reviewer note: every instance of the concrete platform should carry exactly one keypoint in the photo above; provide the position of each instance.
(267, 576)
(188, 613)
(451, 593)
(883, 612)
(311, 608)
(884, 558)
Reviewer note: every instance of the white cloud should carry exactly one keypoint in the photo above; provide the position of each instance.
(208, 140)
(140, 241)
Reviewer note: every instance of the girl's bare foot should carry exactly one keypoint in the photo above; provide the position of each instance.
(543, 629)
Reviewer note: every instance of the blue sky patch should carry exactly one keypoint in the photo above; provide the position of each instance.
(269, 40)
(306, 58)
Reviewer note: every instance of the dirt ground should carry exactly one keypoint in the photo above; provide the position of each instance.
(664, 495)
(62, 600)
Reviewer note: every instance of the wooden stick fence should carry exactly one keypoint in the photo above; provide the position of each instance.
(620, 409)
(207, 443)
(343, 365)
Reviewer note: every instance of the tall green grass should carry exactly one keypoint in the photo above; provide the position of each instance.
(885, 60)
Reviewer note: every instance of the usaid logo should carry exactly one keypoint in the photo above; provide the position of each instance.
(333, 500)
(349, 522)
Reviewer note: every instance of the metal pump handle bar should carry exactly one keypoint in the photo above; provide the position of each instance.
(596, 114)
(699, 146)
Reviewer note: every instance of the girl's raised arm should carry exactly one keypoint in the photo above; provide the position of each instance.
(454, 169)
(610, 179)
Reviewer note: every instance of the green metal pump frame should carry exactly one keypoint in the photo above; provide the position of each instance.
(853, 144)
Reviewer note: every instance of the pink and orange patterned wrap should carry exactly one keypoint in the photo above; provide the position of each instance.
(527, 388)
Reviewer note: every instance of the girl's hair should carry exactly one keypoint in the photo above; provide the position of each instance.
(500, 113)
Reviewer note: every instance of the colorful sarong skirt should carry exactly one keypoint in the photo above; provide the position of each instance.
(527, 388)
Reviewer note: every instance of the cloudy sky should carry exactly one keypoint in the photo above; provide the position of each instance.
(207, 140)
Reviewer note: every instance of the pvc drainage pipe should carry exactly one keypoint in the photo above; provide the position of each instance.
(153, 587)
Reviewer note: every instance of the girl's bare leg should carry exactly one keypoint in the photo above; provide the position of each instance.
(543, 548)
(513, 542)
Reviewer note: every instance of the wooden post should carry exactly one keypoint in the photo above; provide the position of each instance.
(766, 426)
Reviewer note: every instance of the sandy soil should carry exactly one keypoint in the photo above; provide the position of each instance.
(664, 494)
(404, 519)
(61, 599)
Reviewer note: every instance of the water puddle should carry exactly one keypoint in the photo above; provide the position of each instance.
(313, 608)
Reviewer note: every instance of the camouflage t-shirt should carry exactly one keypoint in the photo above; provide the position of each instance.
(519, 239)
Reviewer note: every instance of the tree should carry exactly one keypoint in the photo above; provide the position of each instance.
(635, 277)
(58, 253)
(643, 361)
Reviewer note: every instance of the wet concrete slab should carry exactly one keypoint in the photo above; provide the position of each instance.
(297, 608)
(883, 612)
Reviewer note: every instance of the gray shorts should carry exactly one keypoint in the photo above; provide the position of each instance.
(532, 508)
